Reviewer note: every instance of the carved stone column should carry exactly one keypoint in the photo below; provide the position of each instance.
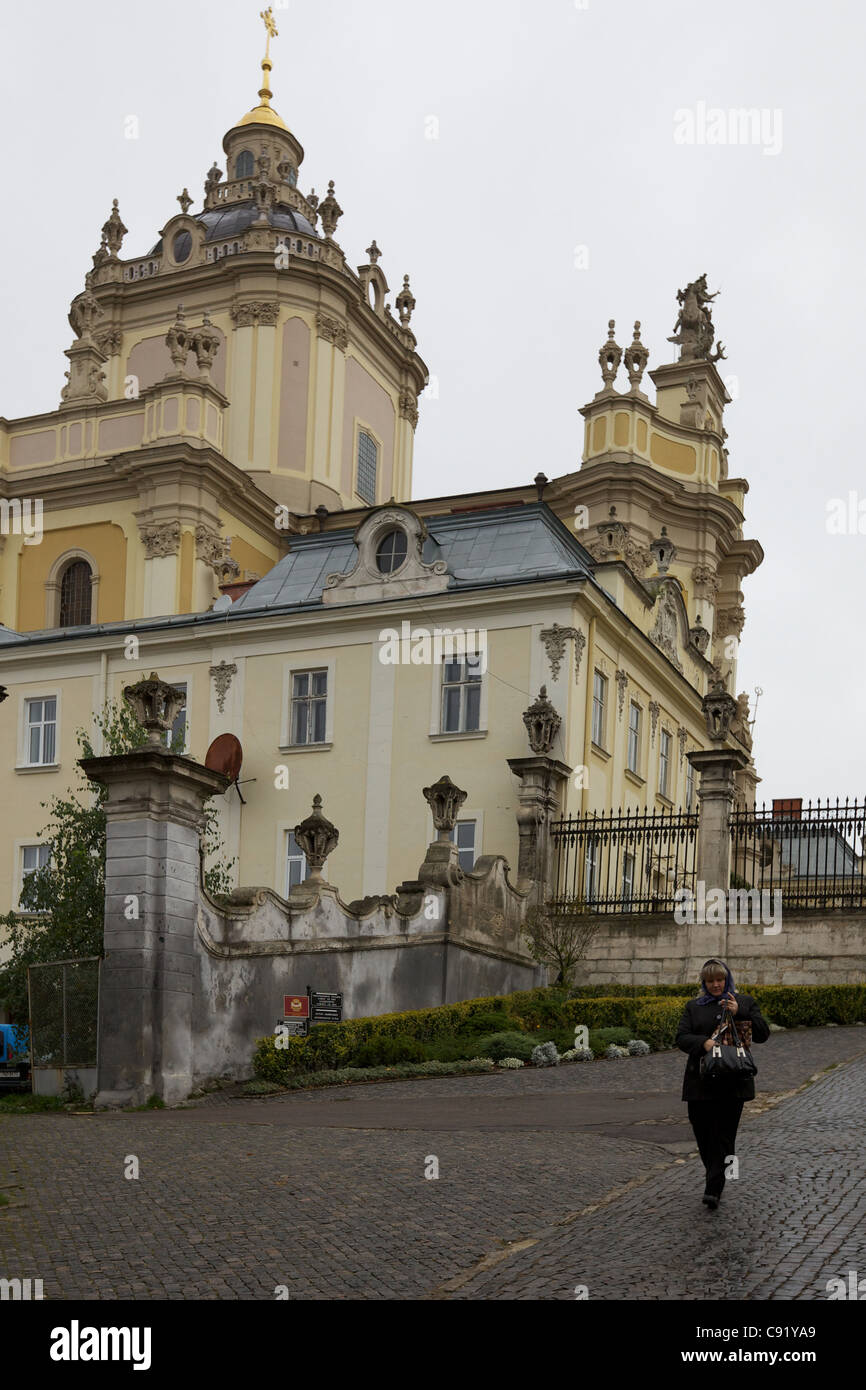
(541, 781)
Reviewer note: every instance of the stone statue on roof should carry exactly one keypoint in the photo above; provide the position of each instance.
(693, 331)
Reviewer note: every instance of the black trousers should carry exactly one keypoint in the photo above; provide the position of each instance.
(715, 1125)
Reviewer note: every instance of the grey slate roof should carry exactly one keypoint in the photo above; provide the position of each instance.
(481, 550)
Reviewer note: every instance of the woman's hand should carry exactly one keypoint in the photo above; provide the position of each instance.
(710, 1042)
(731, 1003)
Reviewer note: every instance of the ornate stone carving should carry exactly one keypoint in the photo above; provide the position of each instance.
(330, 212)
(155, 705)
(693, 331)
(113, 231)
(109, 341)
(185, 201)
(222, 679)
(730, 620)
(318, 839)
(554, 639)
(682, 736)
(579, 644)
(719, 709)
(614, 543)
(636, 358)
(609, 357)
(209, 547)
(85, 310)
(542, 723)
(405, 303)
(213, 177)
(665, 630)
(262, 312)
(741, 724)
(409, 408)
(621, 687)
(654, 709)
(205, 344)
(705, 581)
(699, 636)
(332, 331)
(663, 551)
(444, 800)
(161, 539)
(177, 340)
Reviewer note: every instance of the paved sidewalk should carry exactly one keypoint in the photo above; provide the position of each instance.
(326, 1192)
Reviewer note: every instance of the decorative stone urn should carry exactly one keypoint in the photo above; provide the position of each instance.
(318, 839)
(444, 800)
(719, 709)
(542, 723)
(155, 705)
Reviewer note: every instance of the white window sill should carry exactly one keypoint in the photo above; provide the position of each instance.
(457, 735)
(305, 747)
(37, 767)
(635, 777)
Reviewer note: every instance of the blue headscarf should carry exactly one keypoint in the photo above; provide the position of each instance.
(704, 997)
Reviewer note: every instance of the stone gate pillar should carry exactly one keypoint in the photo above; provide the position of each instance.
(541, 781)
(155, 813)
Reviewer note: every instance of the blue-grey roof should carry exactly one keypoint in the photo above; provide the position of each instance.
(513, 545)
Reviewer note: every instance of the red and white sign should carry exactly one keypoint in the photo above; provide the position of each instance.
(296, 1006)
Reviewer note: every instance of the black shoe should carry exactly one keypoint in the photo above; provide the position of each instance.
(710, 1201)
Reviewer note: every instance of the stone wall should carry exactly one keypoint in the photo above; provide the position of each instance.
(811, 949)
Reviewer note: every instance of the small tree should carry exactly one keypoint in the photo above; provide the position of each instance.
(63, 903)
(559, 938)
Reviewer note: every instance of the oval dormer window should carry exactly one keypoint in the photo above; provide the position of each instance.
(244, 164)
(181, 247)
(392, 552)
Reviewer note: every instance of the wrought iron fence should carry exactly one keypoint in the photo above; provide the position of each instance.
(625, 861)
(64, 1009)
(813, 855)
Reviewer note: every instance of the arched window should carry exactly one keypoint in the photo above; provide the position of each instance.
(244, 164)
(368, 457)
(75, 594)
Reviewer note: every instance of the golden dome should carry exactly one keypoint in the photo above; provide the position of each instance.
(263, 114)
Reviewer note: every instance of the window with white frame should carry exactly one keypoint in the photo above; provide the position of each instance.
(40, 731)
(690, 787)
(463, 836)
(33, 857)
(665, 762)
(175, 737)
(309, 706)
(627, 886)
(599, 708)
(461, 694)
(368, 459)
(634, 715)
(296, 863)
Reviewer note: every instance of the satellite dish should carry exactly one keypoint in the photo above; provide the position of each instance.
(225, 755)
(223, 603)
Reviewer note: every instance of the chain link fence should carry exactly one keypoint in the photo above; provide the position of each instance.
(64, 1012)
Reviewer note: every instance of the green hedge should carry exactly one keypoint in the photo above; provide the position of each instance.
(810, 1005)
(687, 991)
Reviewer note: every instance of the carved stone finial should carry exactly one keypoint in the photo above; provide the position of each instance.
(609, 357)
(212, 178)
(719, 709)
(693, 331)
(113, 231)
(317, 838)
(636, 358)
(541, 481)
(542, 723)
(404, 302)
(663, 551)
(177, 340)
(185, 201)
(330, 212)
(374, 253)
(155, 705)
(444, 800)
(205, 344)
(699, 635)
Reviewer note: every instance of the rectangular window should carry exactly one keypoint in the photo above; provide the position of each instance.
(463, 835)
(296, 863)
(368, 457)
(627, 879)
(33, 857)
(461, 695)
(599, 707)
(309, 705)
(175, 737)
(664, 762)
(634, 737)
(41, 731)
(690, 787)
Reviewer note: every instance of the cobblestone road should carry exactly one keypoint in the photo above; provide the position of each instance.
(340, 1209)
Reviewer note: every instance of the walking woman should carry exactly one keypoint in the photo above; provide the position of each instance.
(715, 1106)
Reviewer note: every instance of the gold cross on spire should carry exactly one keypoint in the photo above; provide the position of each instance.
(271, 27)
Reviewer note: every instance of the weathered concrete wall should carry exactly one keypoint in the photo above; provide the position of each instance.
(434, 945)
(811, 949)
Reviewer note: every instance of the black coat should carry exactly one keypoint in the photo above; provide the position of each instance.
(696, 1025)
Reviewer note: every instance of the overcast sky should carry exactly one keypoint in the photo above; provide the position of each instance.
(557, 129)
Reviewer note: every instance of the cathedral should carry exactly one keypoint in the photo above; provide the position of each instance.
(224, 495)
